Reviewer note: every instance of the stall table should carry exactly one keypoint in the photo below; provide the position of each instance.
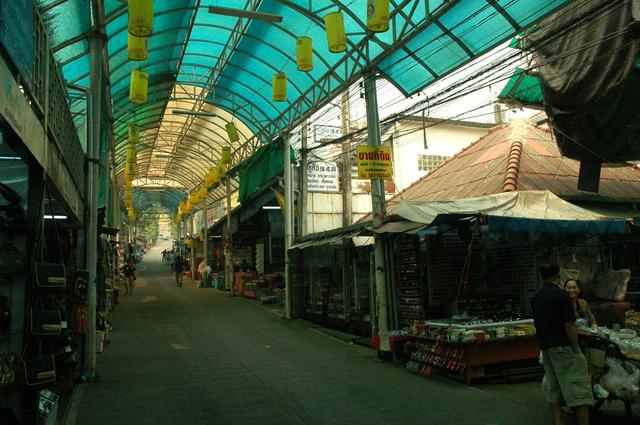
(467, 357)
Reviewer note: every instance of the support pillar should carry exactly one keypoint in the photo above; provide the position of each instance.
(378, 204)
(288, 226)
(96, 44)
(304, 177)
(193, 247)
(228, 247)
(205, 242)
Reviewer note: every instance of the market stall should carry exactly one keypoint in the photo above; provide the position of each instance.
(466, 349)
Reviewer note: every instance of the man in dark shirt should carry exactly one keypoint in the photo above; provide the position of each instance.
(565, 368)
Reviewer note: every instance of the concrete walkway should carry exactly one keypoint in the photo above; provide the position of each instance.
(197, 356)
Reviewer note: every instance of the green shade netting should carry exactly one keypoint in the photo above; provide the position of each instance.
(265, 164)
(523, 88)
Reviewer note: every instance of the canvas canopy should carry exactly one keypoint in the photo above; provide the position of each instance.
(532, 211)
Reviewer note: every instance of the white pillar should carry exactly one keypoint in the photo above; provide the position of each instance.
(288, 225)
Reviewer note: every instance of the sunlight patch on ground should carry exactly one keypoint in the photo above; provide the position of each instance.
(149, 299)
(178, 347)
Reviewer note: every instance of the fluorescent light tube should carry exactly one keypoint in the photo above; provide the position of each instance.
(55, 217)
(270, 207)
(241, 13)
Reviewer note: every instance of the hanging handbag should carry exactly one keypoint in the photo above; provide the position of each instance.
(11, 260)
(39, 370)
(11, 213)
(45, 322)
(50, 275)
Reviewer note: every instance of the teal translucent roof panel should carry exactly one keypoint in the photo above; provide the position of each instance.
(72, 51)
(526, 12)
(459, 32)
(67, 20)
(476, 27)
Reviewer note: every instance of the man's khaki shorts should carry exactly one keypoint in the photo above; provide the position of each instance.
(566, 377)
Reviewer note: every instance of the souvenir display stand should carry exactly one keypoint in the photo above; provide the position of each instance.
(466, 350)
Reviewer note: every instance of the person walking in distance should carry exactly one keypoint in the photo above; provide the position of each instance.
(566, 376)
(178, 268)
(129, 276)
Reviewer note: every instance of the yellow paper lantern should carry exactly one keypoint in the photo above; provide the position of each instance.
(222, 170)
(131, 153)
(232, 132)
(141, 17)
(137, 48)
(336, 37)
(279, 87)
(305, 54)
(226, 154)
(129, 170)
(203, 193)
(138, 87)
(378, 15)
(134, 134)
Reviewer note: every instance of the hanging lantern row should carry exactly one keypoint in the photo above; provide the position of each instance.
(141, 17)
(377, 21)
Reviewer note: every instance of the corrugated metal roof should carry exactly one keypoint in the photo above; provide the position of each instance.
(481, 168)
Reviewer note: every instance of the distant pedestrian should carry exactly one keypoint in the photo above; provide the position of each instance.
(130, 277)
(566, 376)
(172, 260)
(178, 269)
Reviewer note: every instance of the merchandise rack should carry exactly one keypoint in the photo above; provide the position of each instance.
(409, 282)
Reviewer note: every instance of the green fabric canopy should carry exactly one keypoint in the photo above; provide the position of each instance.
(523, 88)
(265, 164)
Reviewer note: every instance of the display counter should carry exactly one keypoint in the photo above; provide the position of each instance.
(465, 349)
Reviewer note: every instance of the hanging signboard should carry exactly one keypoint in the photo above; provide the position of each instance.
(17, 19)
(374, 162)
(323, 177)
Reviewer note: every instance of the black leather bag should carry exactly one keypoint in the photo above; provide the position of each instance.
(11, 213)
(50, 275)
(11, 260)
(45, 322)
(39, 370)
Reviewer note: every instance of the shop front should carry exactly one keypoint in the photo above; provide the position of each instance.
(462, 282)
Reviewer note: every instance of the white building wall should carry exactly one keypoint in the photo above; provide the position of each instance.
(407, 138)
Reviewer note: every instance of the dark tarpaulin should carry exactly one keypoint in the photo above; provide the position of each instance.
(588, 54)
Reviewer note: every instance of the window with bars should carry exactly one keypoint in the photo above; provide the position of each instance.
(430, 162)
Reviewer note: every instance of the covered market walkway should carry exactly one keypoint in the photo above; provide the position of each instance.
(197, 356)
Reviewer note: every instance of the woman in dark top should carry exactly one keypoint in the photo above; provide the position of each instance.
(580, 307)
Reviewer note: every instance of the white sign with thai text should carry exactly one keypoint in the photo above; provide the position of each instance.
(323, 177)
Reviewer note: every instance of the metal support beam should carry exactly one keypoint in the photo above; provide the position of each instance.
(288, 226)
(378, 203)
(304, 177)
(205, 243)
(228, 246)
(93, 156)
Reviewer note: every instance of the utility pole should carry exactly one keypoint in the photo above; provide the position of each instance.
(378, 204)
(347, 208)
(304, 178)
(288, 225)
(228, 248)
(96, 44)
